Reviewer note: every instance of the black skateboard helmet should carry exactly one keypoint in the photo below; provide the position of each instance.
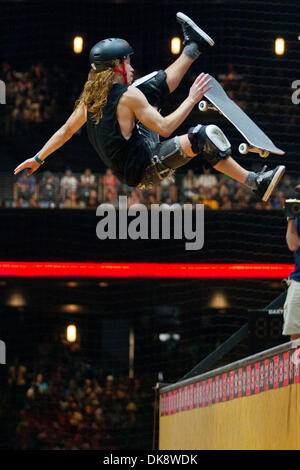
(105, 51)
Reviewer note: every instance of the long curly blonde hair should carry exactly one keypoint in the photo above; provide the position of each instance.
(96, 89)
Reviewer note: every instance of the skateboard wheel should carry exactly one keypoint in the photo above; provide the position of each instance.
(243, 149)
(264, 154)
(203, 106)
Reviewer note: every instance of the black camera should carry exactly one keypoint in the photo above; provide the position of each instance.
(292, 207)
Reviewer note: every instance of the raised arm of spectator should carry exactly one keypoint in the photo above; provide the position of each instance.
(75, 122)
(292, 237)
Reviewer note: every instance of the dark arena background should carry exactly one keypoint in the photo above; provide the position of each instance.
(146, 313)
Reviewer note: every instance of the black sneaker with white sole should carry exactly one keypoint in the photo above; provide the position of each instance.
(267, 181)
(192, 32)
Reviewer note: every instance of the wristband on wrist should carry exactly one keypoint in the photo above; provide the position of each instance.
(41, 162)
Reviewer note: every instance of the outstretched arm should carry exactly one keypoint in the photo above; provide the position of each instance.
(152, 119)
(75, 121)
(292, 237)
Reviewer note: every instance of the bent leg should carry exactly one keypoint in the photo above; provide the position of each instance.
(176, 152)
(166, 157)
(164, 82)
(176, 71)
(231, 168)
(210, 142)
(222, 163)
(196, 40)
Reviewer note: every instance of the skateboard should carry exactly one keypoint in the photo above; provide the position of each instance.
(258, 141)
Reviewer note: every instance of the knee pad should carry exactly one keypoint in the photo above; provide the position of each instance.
(170, 154)
(209, 141)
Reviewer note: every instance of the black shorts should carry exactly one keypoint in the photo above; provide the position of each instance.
(157, 171)
(155, 90)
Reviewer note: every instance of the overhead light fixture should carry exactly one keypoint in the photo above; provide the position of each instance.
(16, 299)
(72, 284)
(175, 45)
(78, 44)
(219, 300)
(71, 333)
(279, 46)
(70, 308)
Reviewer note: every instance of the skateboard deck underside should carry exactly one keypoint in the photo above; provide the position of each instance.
(252, 133)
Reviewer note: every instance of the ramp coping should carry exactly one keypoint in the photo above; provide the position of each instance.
(233, 365)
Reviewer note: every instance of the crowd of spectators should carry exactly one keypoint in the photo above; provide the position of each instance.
(43, 95)
(88, 190)
(74, 406)
(37, 98)
(30, 103)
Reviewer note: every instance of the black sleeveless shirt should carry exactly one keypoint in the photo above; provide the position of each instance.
(127, 158)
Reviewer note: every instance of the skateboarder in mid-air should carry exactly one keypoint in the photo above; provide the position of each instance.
(124, 125)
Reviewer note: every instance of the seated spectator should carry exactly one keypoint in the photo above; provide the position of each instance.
(68, 185)
(208, 181)
(25, 187)
(165, 185)
(87, 179)
(110, 183)
(173, 194)
(286, 186)
(48, 188)
(226, 203)
(20, 203)
(259, 206)
(240, 196)
(190, 186)
(34, 203)
(87, 184)
(111, 197)
(136, 197)
(72, 202)
(156, 192)
(227, 186)
(279, 200)
(209, 200)
(230, 75)
(267, 206)
(34, 113)
(92, 202)
(244, 201)
(151, 199)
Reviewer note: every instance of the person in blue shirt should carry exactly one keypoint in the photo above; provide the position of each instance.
(291, 309)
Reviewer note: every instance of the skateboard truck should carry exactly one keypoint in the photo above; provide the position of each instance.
(205, 106)
(245, 148)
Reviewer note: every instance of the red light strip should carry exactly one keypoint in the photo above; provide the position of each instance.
(144, 270)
